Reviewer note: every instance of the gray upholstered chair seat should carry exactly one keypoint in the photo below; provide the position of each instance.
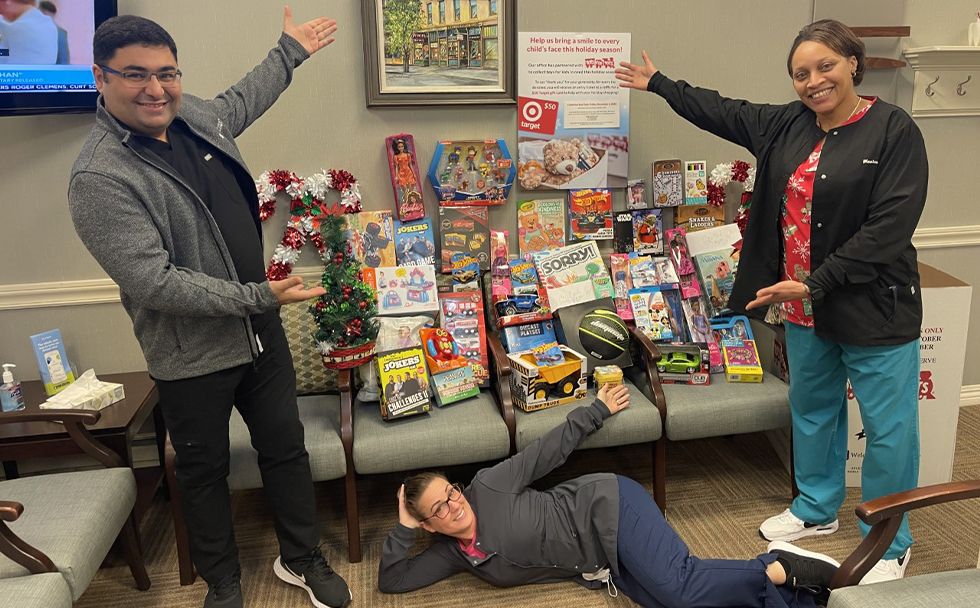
(73, 518)
(957, 589)
(726, 408)
(465, 432)
(48, 590)
(639, 423)
(320, 415)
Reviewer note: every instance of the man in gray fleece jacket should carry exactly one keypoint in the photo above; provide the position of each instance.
(162, 199)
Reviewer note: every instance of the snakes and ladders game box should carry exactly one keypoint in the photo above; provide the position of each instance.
(404, 383)
(464, 230)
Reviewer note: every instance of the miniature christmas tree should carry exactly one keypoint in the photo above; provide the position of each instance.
(345, 315)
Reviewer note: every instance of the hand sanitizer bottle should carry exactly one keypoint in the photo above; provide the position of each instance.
(11, 395)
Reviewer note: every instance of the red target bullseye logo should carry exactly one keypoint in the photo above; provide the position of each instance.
(537, 115)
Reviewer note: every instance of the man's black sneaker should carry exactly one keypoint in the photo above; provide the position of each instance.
(227, 593)
(326, 588)
(806, 570)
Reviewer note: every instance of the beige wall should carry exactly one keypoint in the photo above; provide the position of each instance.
(322, 122)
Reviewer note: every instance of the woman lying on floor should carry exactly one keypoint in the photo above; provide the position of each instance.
(599, 528)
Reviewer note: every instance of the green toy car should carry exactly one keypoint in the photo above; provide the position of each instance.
(679, 363)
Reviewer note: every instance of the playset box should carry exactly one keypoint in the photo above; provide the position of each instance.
(732, 331)
(441, 350)
(590, 218)
(454, 386)
(683, 363)
(464, 230)
(742, 362)
(404, 383)
(540, 225)
(405, 181)
(403, 289)
(519, 338)
(373, 238)
(695, 182)
(692, 218)
(648, 231)
(623, 232)
(463, 318)
(636, 190)
(534, 387)
(573, 274)
(415, 244)
(469, 172)
(619, 268)
(595, 330)
(668, 183)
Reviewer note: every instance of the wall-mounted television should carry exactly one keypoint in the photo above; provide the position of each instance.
(45, 69)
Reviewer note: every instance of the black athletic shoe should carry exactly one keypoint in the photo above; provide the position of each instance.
(806, 570)
(325, 587)
(227, 593)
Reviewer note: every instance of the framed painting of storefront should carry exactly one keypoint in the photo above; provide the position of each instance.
(439, 52)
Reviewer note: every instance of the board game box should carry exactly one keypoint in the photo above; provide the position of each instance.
(404, 383)
(573, 274)
(668, 183)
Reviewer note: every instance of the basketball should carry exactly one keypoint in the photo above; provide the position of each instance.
(603, 334)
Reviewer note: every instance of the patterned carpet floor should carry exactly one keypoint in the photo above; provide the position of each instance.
(718, 491)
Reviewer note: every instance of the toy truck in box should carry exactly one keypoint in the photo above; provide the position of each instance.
(535, 387)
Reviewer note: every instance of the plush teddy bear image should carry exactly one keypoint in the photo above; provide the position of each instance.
(561, 165)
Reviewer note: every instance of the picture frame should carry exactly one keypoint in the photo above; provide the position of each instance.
(456, 52)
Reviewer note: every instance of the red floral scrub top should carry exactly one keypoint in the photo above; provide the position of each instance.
(795, 223)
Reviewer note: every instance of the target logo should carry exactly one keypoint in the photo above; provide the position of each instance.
(537, 115)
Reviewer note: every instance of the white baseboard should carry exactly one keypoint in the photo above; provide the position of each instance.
(970, 395)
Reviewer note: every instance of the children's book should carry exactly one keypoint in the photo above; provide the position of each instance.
(573, 274)
(403, 289)
(619, 266)
(540, 225)
(692, 218)
(404, 383)
(695, 182)
(373, 238)
(464, 230)
(636, 194)
(623, 230)
(415, 244)
(668, 183)
(591, 214)
(648, 232)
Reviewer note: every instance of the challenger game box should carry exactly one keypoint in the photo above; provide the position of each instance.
(404, 383)
(462, 317)
(591, 217)
(414, 243)
(464, 230)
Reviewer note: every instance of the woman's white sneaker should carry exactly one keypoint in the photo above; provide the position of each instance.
(887, 569)
(788, 527)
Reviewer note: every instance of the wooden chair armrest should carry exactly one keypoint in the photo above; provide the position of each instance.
(500, 384)
(74, 422)
(885, 517)
(649, 354)
(14, 548)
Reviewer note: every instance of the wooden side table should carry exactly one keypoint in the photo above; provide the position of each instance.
(116, 428)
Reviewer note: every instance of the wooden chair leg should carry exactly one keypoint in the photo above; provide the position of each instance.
(660, 474)
(353, 520)
(184, 563)
(133, 552)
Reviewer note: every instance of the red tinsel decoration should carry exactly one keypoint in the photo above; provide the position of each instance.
(281, 178)
(317, 240)
(740, 170)
(742, 219)
(267, 210)
(293, 239)
(278, 271)
(716, 194)
(341, 179)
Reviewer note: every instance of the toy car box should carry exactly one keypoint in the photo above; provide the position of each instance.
(454, 386)
(684, 364)
(472, 172)
(516, 309)
(520, 338)
(463, 318)
(536, 388)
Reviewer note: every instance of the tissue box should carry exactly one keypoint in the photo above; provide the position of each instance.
(86, 393)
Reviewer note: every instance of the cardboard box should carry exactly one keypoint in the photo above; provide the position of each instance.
(404, 383)
(536, 388)
(454, 386)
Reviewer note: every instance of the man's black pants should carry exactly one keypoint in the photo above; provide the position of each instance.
(196, 412)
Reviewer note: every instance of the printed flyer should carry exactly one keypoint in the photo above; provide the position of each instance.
(573, 117)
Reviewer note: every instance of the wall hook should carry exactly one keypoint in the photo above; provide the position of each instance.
(929, 91)
(959, 87)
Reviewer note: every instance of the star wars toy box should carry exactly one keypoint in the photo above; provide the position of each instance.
(595, 330)
(540, 226)
(405, 180)
(463, 318)
(534, 387)
(684, 363)
(527, 303)
(477, 172)
(373, 238)
(414, 243)
(404, 383)
(404, 290)
(454, 386)
(648, 231)
(464, 230)
(520, 338)
(590, 218)
(573, 274)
